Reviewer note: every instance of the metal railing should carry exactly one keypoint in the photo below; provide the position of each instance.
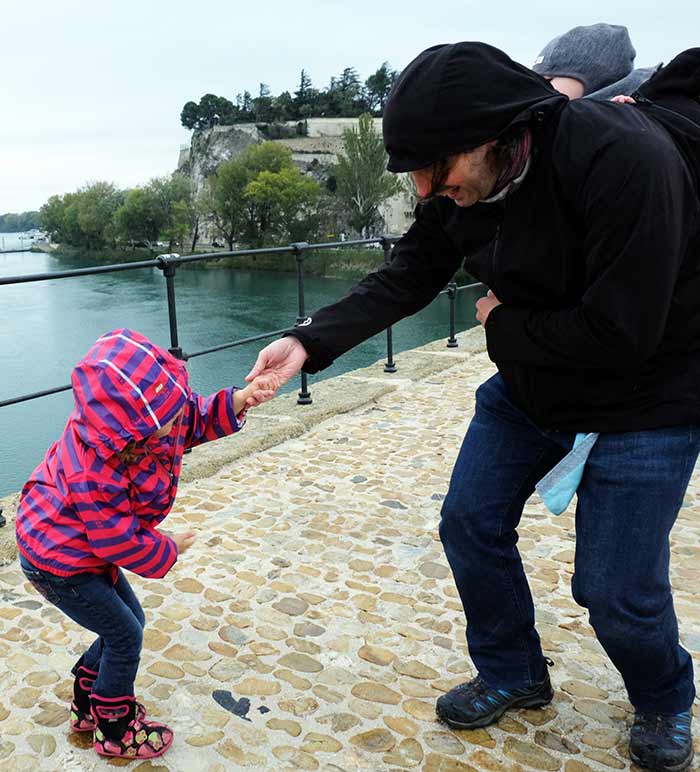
(168, 264)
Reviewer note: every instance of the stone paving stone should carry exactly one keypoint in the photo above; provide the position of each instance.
(318, 605)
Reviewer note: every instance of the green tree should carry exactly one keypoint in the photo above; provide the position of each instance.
(13, 222)
(189, 117)
(259, 196)
(71, 231)
(302, 93)
(174, 206)
(84, 218)
(343, 96)
(211, 111)
(306, 98)
(262, 105)
(363, 184)
(52, 215)
(97, 204)
(208, 111)
(377, 88)
(283, 107)
(222, 199)
(138, 218)
(283, 205)
(244, 105)
(266, 157)
(255, 159)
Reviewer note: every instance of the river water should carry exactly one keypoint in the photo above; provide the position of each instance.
(47, 326)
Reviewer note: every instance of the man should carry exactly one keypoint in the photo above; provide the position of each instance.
(583, 220)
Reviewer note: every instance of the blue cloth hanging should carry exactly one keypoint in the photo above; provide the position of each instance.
(558, 486)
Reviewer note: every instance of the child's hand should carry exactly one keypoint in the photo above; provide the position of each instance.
(261, 389)
(183, 541)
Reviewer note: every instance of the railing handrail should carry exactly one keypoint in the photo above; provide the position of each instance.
(176, 260)
(168, 264)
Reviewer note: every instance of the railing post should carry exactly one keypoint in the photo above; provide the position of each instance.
(452, 295)
(390, 365)
(304, 396)
(168, 266)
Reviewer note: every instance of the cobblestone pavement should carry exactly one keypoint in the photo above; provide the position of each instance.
(315, 621)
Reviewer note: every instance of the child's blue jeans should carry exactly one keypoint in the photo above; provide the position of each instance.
(628, 500)
(110, 610)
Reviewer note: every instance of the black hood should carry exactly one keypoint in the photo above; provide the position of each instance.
(676, 88)
(454, 97)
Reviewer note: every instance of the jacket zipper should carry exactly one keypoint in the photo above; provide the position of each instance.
(643, 100)
(171, 472)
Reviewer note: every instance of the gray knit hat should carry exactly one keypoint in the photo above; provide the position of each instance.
(597, 55)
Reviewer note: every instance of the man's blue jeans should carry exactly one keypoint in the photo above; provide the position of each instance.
(110, 610)
(632, 489)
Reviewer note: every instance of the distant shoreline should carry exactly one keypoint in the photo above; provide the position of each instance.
(353, 263)
(337, 263)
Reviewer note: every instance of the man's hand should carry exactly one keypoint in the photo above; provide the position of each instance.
(259, 390)
(183, 541)
(621, 99)
(484, 306)
(282, 359)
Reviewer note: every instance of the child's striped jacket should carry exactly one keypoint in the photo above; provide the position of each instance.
(82, 509)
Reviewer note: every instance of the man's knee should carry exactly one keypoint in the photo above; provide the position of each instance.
(461, 522)
(615, 608)
(491, 394)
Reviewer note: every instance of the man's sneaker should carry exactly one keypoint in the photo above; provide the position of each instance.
(475, 704)
(662, 743)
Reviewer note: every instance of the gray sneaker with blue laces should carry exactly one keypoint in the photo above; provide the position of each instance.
(475, 704)
(662, 743)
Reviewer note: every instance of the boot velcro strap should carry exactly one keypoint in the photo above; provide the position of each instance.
(111, 714)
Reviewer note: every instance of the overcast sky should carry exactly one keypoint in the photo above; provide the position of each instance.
(92, 90)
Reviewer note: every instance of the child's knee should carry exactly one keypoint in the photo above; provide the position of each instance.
(140, 616)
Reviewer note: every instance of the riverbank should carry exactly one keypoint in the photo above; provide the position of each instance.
(340, 263)
(315, 621)
(335, 263)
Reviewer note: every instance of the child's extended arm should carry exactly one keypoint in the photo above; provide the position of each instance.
(223, 412)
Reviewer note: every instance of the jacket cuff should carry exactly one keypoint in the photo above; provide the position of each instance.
(499, 333)
(236, 422)
(319, 357)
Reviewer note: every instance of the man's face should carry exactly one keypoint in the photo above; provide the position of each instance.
(471, 176)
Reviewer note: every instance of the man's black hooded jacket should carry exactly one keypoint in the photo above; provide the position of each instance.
(595, 257)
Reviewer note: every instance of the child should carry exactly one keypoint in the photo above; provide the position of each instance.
(94, 505)
(596, 61)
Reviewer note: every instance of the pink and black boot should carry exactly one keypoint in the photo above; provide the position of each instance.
(119, 731)
(81, 719)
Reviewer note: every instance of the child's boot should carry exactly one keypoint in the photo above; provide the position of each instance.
(81, 719)
(120, 732)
